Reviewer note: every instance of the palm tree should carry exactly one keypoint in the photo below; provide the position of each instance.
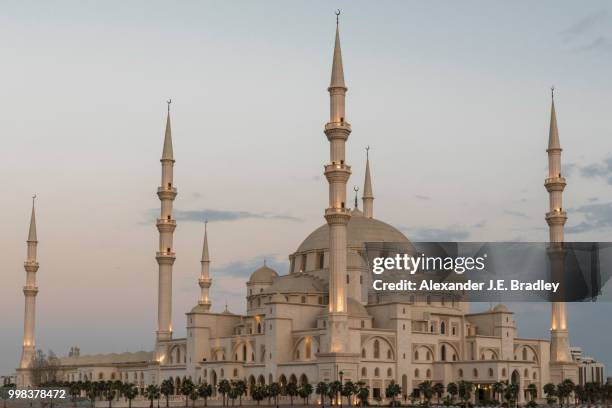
(564, 390)
(130, 391)
(305, 391)
(92, 393)
(511, 394)
(426, 389)
(166, 389)
(438, 389)
(291, 390)
(363, 392)
(233, 394)
(258, 393)
(550, 390)
(187, 388)
(532, 390)
(273, 391)
(322, 389)
(465, 389)
(224, 387)
(241, 389)
(152, 392)
(498, 390)
(392, 391)
(334, 388)
(109, 392)
(348, 390)
(75, 391)
(205, 391)
(452, 390)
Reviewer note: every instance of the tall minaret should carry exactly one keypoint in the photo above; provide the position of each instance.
(205, 281)
(166, 226)
(368, 196)
(556, 218)
(337, 215)
(30, 290)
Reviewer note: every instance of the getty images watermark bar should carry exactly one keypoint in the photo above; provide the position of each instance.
(489, 271)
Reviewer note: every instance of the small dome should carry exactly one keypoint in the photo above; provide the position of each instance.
(264, 274)
(501, 308)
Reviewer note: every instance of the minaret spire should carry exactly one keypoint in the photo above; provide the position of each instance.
(337, 215)
(30, 290)
(560, 358)
(165, 256)
(205, 282)
(368, 196)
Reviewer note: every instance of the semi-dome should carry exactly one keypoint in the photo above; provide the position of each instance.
(265, 274)
(354, 309)
(501, 308)
(360, 229)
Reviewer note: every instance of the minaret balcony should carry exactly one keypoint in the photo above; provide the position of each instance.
(337, 215)
(30, 290)
(337, 172)
(338, 125)
(205, 282)
(165, 257)
(556, 217)
(555, 184)
(166, 193)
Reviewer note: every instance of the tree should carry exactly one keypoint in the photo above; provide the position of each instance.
(291, 390)
(305, 391)
(392, 391)
(564, 390)
(452, 390)
(465, 389)
(93, 392)
(322, 389)
(205, 391)
(363, 392)
(130, 391)
(273, 391)
(224, 388)
(167, 388)
(438, 389)
(551, 391)
(426, 389)
(532, 390)
(187, 388)
(109, 392)
(348, 390)
(258, 393)
(194, 396)
(152, 392)
(241, 389)
(511, 394)
(334, 388)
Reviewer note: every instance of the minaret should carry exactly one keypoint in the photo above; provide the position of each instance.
(205, 280)
(368, 196)
(166, 226)
(337, 215)
(556, 218)
(30, 290)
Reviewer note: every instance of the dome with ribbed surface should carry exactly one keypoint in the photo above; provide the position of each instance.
(360, 230)
(265, 274)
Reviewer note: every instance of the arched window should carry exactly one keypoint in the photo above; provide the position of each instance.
(416, 373)
(416, 355)
(460, 373)
(389, 354)
(363, 353)
(443, 352)
(297, 354)
(308, 347)
(364, 372)
(490, 372)
(389, 372)
(428, 373)
(454, 357)
(244, 352)
(258, 327)
(535, 376)
(503, 372)
(429, 355)
(377, 372)
(475, 373)
(524, 353)
(454, 331)
(526, 373)
(235, 372)
(376, 349)
(442, 328)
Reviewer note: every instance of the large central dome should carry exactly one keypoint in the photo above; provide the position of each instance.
(360, 230)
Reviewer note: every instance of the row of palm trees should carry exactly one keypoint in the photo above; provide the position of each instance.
(589, 393)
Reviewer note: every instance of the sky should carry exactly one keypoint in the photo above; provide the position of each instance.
(452, 97)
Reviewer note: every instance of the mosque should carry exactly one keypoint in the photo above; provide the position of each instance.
(319, 321)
